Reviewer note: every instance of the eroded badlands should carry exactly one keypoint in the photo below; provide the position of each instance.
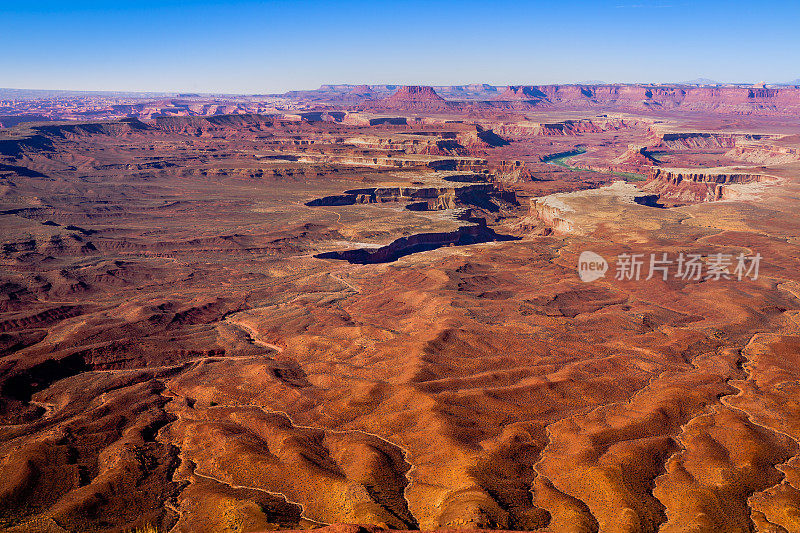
(369, 312)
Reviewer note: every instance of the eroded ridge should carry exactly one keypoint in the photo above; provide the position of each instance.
(362, 305)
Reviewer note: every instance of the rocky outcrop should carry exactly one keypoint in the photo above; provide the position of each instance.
(677, 176)
(690, 97)
(214, 125)
(694, 140)
(636, 157)
(687, 186)
(362, 91)
(473, 164)
(553, 213)
(765, 154)
(439, 203)
(471, 142)
(730, 99)
(442, 147)
(197, 126)
(511, 171)
(365, 119)
(414, 93)
(733, 99)
(568, 127)
(114, 129)
(413, 98)
(423, 198)
(480, 137)
(521, 92)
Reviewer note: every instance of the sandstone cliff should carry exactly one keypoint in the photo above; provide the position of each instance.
(687, 186)
(413, 98)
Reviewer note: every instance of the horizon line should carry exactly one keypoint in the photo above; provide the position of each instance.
(223, 93)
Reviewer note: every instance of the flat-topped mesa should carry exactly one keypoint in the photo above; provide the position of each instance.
(676, 176)
(700, 139)
(362, 90)
(195, 126)
(423, 198)
(691, 186)
(521, 92)
(73, 131)
(572, 127)
(414, 98)
(733, 99)
(415, 93)
(765, 154)
(216, 125)
(526, 128)
(420, 242)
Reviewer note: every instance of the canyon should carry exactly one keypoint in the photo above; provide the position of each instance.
(359, 309)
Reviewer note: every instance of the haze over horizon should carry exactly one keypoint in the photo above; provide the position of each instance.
(250, 47)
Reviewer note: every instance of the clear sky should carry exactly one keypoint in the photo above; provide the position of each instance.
(261, 47)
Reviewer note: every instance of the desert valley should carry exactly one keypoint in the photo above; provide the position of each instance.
(362, 305)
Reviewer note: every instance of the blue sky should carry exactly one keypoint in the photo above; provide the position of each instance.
(260, 47)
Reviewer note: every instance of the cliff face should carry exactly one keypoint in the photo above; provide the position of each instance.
(765, 154)
(181, 125)
(636, 157)
(682, 141)
(45, 136)
(427, 198)
(743, 100)
(72, 131)
(521, 92)
(692, 140)
(364, 91)
(481, 137)
(403, 246)
(735, 99)
(676, 177)
(732, 100)
(689, 187)
(552, 214)
(512, 171)
(565, 128)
